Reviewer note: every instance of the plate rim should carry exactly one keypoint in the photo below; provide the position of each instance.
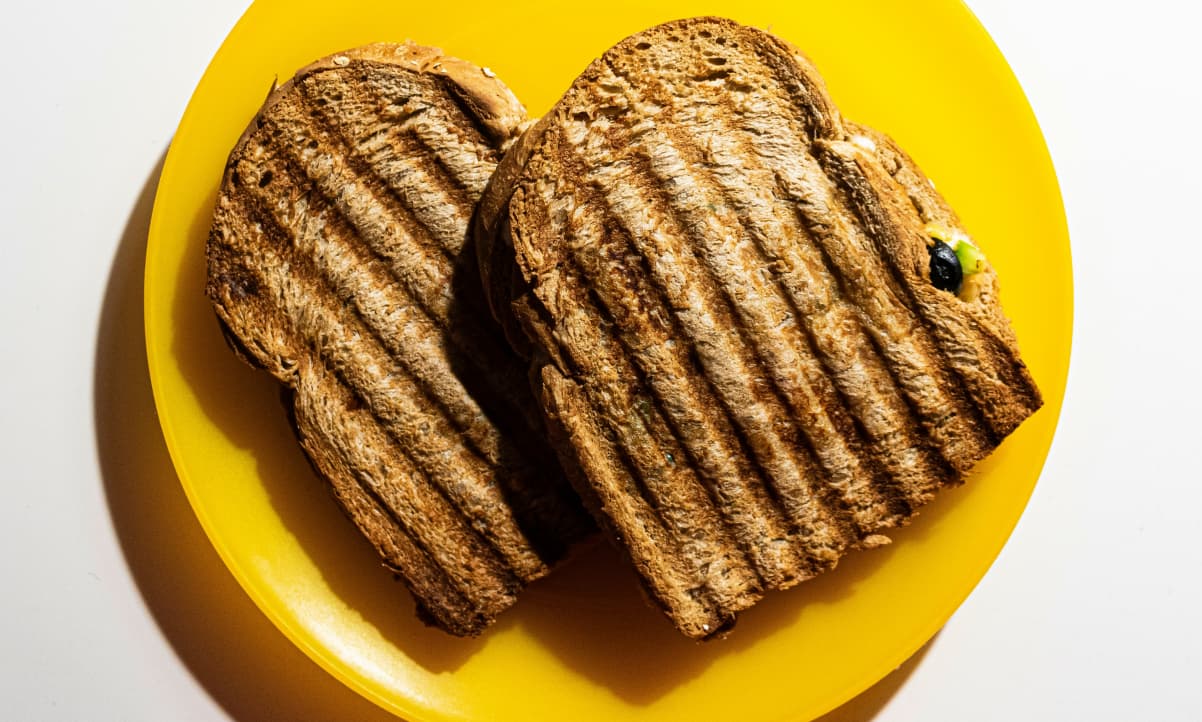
(403, 706)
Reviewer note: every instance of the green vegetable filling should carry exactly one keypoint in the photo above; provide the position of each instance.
(971, 258)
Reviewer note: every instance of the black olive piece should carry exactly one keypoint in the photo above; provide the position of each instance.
(946, 274)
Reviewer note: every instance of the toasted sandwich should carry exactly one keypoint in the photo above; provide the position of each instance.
(339, 261)
(759, 335)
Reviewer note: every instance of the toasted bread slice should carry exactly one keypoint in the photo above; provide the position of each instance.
(724, 292)
(338, 261)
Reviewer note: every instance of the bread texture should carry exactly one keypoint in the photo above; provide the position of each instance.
(723, 290)
(339, 261)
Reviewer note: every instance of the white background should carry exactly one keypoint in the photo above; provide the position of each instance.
(1090, 613)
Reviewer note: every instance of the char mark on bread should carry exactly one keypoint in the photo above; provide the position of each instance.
(721, 286)
(339, 262)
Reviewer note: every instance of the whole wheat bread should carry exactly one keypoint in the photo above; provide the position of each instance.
(723, 290)
(339, 261)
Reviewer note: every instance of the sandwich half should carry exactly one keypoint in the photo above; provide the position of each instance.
(339, 261)
(760, 337)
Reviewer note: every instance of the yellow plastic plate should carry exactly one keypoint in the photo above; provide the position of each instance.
(582, 645)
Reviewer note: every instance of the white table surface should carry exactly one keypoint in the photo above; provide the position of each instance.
(1090, 613)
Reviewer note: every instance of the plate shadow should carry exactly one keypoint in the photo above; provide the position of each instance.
(615, 638)
(869, 703)
(241, 660)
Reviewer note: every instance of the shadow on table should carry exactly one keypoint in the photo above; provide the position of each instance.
(248, 667)
(871, 701)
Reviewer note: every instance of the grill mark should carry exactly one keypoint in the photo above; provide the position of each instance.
(955, 421)
(774, 330)
(771, 331)
(297, 266)
(410, 170)
(384, 471)
(405, 165)
(861, 202)
(426, 579)
(404, 555)
(811, 117)
(706, 320)
(790, 82)
(396, 191)
(699, 420)
(468, 159)
(429, 281)
(397, 322)
(1010, 376)
(727, 351)
(646, 441)
(470, 339)
(470, 165)
(806, 265)
(805, 118)
(730, 375)
(466, 193)
(420, 157)
(400, 549)
(990, 373)
(913, 429)
(462, 103)
(413, 109)
(419, 383)
(864, 386)
(809, 103)
(403, 182)
(861, 385)
(652, 549)
(881, 315)
(360, 117)
(1005, 377)
(938, 421)
(640, 432)
(391, 230)
(862, 390)
(393, 396)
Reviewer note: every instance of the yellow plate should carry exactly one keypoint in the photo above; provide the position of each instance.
(582, 645)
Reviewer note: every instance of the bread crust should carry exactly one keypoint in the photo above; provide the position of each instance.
(706, 264)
